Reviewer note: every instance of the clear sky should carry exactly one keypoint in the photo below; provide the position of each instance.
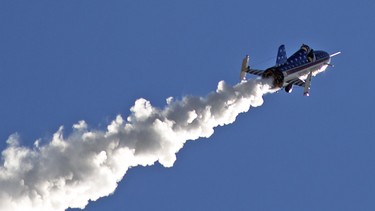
(65, 61)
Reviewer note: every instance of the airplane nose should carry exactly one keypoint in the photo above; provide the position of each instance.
(321, 55)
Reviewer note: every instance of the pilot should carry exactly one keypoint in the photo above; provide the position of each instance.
(309, 52)
(311, 55)
(306, 48)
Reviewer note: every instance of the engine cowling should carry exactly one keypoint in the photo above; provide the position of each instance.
(276, 74)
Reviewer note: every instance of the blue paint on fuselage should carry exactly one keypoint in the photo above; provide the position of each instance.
(299, 61)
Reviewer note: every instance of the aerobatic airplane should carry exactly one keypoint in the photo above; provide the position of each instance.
(295, 70)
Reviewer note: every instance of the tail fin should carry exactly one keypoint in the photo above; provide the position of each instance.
(281, 56)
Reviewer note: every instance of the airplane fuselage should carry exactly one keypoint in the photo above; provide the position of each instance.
(301, 72)
(298, 69)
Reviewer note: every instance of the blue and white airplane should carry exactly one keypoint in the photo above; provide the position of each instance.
(295, 70)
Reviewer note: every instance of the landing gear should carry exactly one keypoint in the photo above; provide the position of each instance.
(289, 88)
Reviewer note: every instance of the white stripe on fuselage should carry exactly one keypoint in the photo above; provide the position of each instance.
(304, 72)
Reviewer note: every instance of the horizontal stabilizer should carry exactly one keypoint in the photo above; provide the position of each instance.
(244, 68)
(255, 72)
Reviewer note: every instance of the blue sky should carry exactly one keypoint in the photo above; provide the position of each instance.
(61, 62)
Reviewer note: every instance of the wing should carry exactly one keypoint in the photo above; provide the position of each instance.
(281, 56)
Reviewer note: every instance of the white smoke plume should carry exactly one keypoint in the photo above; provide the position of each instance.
(88, 164)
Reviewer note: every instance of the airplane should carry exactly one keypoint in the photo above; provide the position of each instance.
(295, 70)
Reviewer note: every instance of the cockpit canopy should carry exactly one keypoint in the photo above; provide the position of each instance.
(306, 48)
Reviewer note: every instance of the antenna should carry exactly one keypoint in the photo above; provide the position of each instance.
(335, 54)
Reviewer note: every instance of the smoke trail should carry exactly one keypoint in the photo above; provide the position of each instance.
(88, 164)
